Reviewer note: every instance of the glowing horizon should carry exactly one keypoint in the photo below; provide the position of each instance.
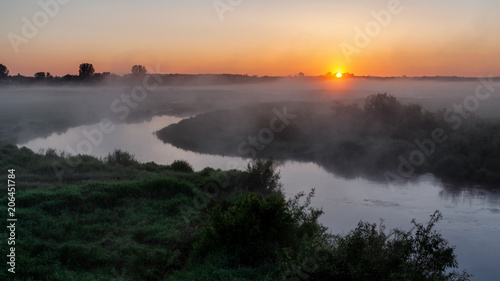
(450, 38)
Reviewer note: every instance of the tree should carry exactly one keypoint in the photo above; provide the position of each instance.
(138, 70)
(4, 72)
(382, 106)
(86, 71)
(40, 76)
(263, 176)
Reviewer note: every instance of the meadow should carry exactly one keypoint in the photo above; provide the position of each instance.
(117, 219)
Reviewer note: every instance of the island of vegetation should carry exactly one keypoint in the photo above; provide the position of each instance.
(383, 139)
(117, 219)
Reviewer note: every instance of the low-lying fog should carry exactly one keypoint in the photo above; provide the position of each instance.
(30, 112)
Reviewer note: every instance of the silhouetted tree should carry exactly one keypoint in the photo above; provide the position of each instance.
(4, 72)
(263, 176)
(40, 76)
(301, 74)
(138, 70)
(86, 70)
(382, 106)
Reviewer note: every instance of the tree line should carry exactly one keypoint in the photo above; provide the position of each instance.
(86, 73)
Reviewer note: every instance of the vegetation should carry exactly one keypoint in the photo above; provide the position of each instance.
(181, 166)
(383, 137)
(117, 219)
(86, 71)
(139, 70)
(4, 72)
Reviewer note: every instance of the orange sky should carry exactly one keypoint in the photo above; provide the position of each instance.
(255, 37)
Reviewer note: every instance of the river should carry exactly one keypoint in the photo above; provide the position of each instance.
(471, 215)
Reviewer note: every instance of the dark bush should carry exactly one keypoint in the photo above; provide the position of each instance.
(181, 166)
(255, 230)
(119, 157)
(369, 253)
(262, 176)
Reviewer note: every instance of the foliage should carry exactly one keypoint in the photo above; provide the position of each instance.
(262, 176)
(352, 140)
(40, 76)
(93, 231)
(139, 70)
(119, 157)
(4, 72)
(255, 230)
(181, 166)
(86, 71)
(155, 224)
(369, 253)
(382, 106)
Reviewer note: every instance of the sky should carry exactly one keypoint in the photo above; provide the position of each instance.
(257, 37)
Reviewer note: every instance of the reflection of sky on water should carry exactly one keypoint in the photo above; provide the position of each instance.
(471, 215)
(137, 139)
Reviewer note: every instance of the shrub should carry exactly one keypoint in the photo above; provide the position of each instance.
(369, 253)
(262, 176)
(382, 106)
(255, 230)
(181, 166)
(119, 157)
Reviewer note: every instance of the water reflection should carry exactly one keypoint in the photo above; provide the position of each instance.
(137, 139)
(471, 196)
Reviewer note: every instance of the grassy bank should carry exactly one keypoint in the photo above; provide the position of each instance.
(117, 219)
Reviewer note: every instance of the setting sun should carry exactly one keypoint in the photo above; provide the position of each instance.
(339, 75)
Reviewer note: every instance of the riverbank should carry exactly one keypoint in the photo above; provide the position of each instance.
(118, 219)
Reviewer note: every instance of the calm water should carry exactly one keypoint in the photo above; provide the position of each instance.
(471, 215)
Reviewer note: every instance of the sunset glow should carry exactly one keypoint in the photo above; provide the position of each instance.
(253, 37)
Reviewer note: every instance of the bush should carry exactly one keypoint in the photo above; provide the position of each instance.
(262, 176)
(119, 157)
(382, 106)
(181, 166)
(369, 253)
(255, 230)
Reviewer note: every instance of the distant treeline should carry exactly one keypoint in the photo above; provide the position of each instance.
(163, 79)
(88, 76)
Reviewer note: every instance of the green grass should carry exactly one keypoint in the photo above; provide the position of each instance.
(156, 223)
(92, 229)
